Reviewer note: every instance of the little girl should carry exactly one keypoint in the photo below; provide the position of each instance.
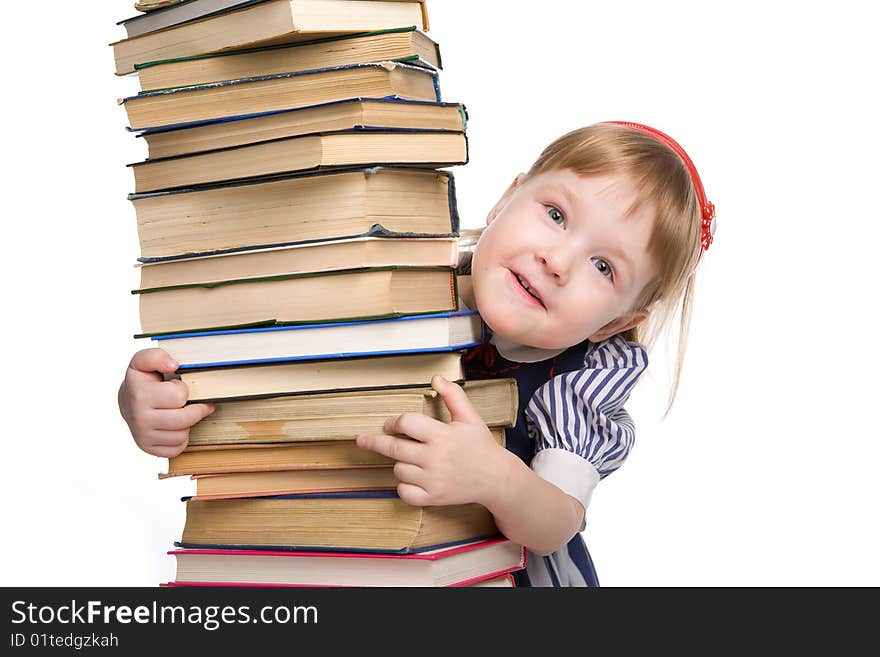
(596, 243)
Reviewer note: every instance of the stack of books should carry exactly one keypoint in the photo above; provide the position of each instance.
(298, 240)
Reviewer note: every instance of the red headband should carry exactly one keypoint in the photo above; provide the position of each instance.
(707, 208)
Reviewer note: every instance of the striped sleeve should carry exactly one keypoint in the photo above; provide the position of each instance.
(581, 412)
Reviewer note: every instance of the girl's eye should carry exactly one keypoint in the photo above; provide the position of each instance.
(603, 267)
(555, 215)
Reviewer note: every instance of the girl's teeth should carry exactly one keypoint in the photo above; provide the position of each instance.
(526, 286)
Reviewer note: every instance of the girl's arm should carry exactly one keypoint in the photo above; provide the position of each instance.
(531, 511)
(460, 462)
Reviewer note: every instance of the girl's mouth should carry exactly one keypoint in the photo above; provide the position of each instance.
(527, 289)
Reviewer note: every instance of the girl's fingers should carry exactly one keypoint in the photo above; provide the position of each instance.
(169, 394)
(413, 495)
(160, 438)
(408, 473)
(153, 360)
(415, 425)
(460, 407)
(177, 419)
(166, 451)
(397, 449)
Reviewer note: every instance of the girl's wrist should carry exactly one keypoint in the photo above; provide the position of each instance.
(503, 477)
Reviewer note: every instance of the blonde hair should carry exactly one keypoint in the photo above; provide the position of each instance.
(663, 182)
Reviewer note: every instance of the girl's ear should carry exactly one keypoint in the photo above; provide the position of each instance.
(619, 325)
(505, 198)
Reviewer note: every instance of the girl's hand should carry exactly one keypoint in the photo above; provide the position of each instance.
(441, 464)
(153, 408)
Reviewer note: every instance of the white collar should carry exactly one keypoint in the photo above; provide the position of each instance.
(512, 351)
(515, 352)
(520, 353)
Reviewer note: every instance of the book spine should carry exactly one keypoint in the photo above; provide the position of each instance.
(439, 57)
(436, 80)
(453, 205)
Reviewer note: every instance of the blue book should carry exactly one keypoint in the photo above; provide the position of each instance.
(364, 114)
(368, 522)
(438, 332)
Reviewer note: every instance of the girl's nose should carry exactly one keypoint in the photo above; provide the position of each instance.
(556, 259)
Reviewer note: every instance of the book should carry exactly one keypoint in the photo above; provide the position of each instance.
(227, 459)
(462, 565)
(351, 114)
(335, 296)
(357, 253)
(369, 522)
(214, 482)
(280, 92)
(311, 376)
(152, 5)
(231, 485)
(267, 22)
(339, 417)
(185, 10)
(314, 455)
(406, 44)
(380, 201)
(502, 581)
(314, 152)
(436, 332)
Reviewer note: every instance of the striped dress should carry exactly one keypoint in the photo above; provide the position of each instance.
(571, 428)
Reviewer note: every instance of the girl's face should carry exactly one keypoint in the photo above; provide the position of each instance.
(562, 259)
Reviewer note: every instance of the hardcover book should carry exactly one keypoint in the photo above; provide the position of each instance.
(153, 5)
(351, 114)
(160, 14)
(313, 152)
(502, 581)
(406, 45)
(311, 376)
(422, 333)
(340, 416)
(334, 255)
(338, 454)
(270, 483)
(266, 22)
(336, 296)
(368, 522)
(453, 566)
(281, 211)
(280, 92)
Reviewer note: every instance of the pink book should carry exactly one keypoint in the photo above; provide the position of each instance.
(476, 563)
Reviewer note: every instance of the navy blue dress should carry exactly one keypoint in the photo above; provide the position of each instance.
(571, 402)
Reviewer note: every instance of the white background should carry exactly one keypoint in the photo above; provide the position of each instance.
(764, 473)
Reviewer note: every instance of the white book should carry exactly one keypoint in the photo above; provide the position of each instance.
(451, 331)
